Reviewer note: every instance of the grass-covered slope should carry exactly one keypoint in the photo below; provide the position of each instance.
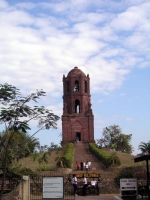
(125, 159)
(28, 161)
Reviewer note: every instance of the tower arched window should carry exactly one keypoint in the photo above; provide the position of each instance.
(76, 87)
(85, 84)
(67, 86)
(77, 106)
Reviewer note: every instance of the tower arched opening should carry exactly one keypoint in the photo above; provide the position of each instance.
(77, 106)
(76, 87)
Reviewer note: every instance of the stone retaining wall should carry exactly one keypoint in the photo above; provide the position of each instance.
(107, 185)
(21, 192)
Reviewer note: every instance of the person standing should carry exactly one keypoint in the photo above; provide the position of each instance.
(94, 184)
(81, 164)
(75, 186)
(77, 165)
(77, 139)
(89, 163)
(84, 185)
(86, 166)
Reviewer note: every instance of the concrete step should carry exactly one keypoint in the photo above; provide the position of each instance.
(81, 152)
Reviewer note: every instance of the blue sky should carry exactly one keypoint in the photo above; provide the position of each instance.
(109, 40)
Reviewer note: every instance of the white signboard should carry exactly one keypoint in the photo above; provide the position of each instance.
(53, 187)
(127, 184)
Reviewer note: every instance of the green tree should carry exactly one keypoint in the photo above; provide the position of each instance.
(61, 161)
(16, 114)
(144, 147)
(113, 138)
(41, 157)
(33, 144)
(114, 160)
(21, 145)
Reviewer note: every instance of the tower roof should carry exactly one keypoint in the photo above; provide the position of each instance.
(76, 72)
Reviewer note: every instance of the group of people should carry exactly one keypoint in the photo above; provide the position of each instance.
(94, 184)
(83, 165)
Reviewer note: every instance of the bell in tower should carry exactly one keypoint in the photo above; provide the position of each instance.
(77, 118)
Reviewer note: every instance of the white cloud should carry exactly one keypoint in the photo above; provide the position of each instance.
(108, 73)
(106, 39)
(134, 41)
(132, 18)
(3, 4)
(57, 109)
(93, 18)
(112, 52)
(129, 119)
(27, 5)
(36, 50)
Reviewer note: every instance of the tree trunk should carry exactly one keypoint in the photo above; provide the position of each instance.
(4, 173)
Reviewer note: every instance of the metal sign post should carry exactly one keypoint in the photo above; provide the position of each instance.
(128, 187)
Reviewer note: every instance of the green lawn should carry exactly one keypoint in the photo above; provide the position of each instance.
(28, 161)
(126, 160)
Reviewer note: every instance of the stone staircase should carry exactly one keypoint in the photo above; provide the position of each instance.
(81, 152)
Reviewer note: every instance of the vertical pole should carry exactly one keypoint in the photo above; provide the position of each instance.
(148, 184)
(26, 188)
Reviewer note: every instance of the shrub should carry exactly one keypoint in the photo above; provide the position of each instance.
(114, 160)
(130, 172)
(107, 160)
(66, 160)
(69, 155)
(43, 168)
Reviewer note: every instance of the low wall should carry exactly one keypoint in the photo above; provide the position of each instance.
(107, 185)
(21, 192)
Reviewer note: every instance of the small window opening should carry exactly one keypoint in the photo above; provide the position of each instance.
(76, 87)
(85, 86)
(77, 106)
(67, 86)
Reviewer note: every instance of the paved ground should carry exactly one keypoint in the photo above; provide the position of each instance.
(99, 197)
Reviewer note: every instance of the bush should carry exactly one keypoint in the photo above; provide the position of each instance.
(18, 170)
(107, 160)
(26, 171)
(114, 160)
(69, 155)
(43, 168)
(130, 172)
(67, 159)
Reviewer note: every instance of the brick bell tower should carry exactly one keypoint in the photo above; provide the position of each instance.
(77, 118)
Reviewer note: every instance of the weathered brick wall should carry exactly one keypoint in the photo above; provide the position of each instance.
(73, 122)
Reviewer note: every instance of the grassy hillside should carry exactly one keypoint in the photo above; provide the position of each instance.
(126, 160)
(28, 162)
